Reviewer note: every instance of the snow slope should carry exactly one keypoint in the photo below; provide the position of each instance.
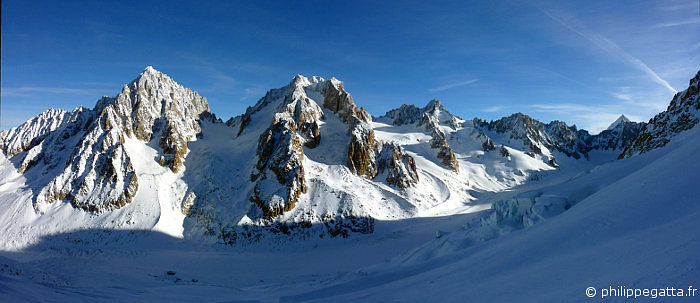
(637, 228)
(619, 230)
(484, 212)
(303, 157)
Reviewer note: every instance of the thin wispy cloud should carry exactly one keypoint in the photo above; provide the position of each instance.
(220, 79)
(452, 85)
(493, 109)
(575, 25)
(622, 96)
(678, 23)
(640, 99)
(683, 5)
(253, 92)
(25, 91)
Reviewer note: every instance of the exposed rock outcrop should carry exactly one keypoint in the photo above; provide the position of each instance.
(154, 105)
(682, 114)
(486, 143)
(280, 149)
(558, 136)
(340, 102)
(617, 137)
(366, 156)
(445, 152)
(504, 152)
(362, 152)
(362, 146)
(430, 118)
(18, 139)
(279, 152)
(98, 174)
(400, 168)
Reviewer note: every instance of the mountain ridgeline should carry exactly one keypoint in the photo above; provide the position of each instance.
(305, 160)
(558, 136)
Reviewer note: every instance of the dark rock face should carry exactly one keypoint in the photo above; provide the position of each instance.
(504, 152)
(340, 102)
(617, 138)
(366, 156)
(558, 136)
(312, 134)
(280, 152)
(430, 118)
(486, 143)
(406, 114)
(400, 168)
(280, 148)
(445, 152)
(681, 115)
(362, 152)
(328, 226)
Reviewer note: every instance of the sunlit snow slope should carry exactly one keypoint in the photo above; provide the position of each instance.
(637, 227)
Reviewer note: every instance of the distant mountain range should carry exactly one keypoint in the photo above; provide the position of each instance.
(303, 161)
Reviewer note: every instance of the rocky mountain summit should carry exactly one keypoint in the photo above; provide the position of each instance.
(430, 118)
(681, 115)
(558, 136)
(95, 173)
(618, 121)
(305, 160)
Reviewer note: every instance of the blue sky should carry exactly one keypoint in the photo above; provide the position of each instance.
(583, 62)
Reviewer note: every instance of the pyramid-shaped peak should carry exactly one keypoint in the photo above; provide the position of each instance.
(435, 103)
(156, 89)
(620, 120)
(150, 71)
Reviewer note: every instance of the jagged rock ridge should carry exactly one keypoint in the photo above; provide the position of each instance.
(98, 175)
(558, 136)
(430, 118)
(316, 160)
(681, 115)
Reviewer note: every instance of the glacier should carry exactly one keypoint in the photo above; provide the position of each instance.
(307, 197)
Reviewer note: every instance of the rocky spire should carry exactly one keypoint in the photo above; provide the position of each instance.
(682, 114)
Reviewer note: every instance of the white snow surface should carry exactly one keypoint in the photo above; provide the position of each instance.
(503, 229)
(632, 222)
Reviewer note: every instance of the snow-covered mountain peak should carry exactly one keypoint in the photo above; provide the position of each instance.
(97, 174)
(20, 138)
(433, 113)
(303, 153)
(618, 122)
(433, 105)
(300, 81)
(558, 136)
(150, 69)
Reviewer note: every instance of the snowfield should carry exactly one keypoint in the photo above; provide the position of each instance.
(307, 198)
(631, 223)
